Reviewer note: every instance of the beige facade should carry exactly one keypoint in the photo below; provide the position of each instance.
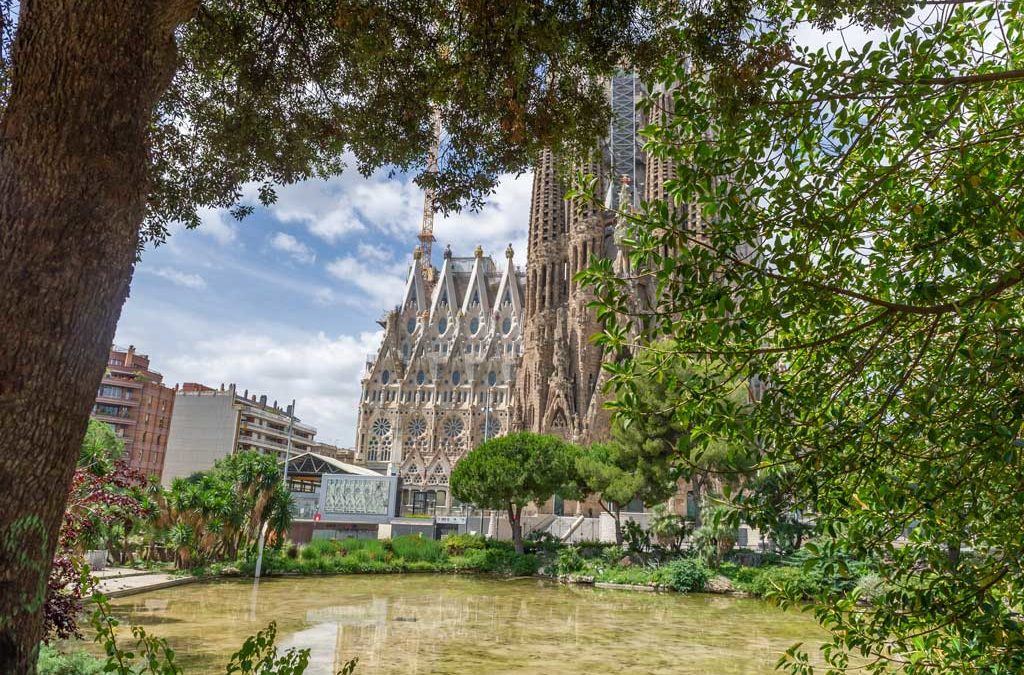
(210, 424)
(444, 376)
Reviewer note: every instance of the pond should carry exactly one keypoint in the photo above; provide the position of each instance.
(419, 624)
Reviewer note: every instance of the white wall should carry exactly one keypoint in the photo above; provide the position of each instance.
(203, 429)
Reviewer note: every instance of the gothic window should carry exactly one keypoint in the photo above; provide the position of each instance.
(410, 326)
(506, 326)
(411, 474)
(559, 425)
(476, 298)
(405, 351)
(456, 377)
(474, 325)
(437, 476)
(490, 427)
(385, 377)
(442, 326)
(507, 300)
(444, 298)
(492, 378)
(421, 377)
(452, 427)
(379, 444)
(453, 441)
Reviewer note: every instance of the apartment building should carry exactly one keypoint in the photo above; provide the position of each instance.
(133, 400)
(211, 423)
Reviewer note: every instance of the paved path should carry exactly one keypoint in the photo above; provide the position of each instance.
(116, 582)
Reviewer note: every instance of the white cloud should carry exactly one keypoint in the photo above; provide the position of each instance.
(296, 249)
(218, 224)
(373, 252)
(178, 277)
(503, 220)
(321, 373)
(382, 284)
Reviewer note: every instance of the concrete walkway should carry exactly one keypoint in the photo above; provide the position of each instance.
(116, 582)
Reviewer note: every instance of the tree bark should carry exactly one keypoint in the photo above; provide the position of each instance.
(515, 520)
(618, 524)
(74, 161)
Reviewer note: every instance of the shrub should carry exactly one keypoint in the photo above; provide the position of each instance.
(503, 561)
(319, 548)
(546, 542)
(635, 576)
(53, 662)
(871, 587)
(685, 575)
(374, 547)
(792, 581)
(458, 544)
(414, 548)
(569, 561)
(613, 554)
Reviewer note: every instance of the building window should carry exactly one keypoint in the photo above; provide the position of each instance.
(506, 326)
(442, 326)
(410, 326)
(421, 377)
(456, 377)
(492, 378)
(385, 376)
(474, 325)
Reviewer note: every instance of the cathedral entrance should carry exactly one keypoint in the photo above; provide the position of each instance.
(422, 502)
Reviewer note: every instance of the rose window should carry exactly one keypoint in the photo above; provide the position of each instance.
(417, 427)
(381, 427)
(453, 428)
(490, 428)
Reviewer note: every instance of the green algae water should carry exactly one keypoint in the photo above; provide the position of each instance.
(420, 624)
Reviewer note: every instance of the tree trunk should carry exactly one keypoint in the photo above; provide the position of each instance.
(618, 524)
(515, 520)
(86, 78)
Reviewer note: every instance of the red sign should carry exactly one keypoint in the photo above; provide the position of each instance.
(316, 516)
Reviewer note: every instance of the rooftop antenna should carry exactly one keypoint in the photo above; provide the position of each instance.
(426, 235)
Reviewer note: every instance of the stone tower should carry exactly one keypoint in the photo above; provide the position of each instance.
(547, 291)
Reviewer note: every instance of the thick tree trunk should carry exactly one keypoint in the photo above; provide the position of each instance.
(73, 187)
(515, 520)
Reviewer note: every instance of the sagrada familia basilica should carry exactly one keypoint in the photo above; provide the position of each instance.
(479, 348)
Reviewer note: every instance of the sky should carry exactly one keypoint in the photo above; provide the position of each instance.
(285, 302)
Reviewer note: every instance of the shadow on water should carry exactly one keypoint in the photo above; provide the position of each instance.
(421, 624)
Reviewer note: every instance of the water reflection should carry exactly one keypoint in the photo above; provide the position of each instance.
(456, 625)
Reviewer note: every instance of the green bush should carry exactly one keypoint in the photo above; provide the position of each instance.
(498, 561)
(685, 575)
(375, 548)
(414, 548)
(319, 548)
(769, 581)
(636, 575)
(569, 561)
(53, 662)
(458, 544)
(871, 587)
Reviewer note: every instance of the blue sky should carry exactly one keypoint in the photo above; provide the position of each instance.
(285, 302)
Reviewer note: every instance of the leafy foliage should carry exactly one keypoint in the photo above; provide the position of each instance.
(858, 250)
(685, 575)
(217, 514)
(511, 471)
(105, 494)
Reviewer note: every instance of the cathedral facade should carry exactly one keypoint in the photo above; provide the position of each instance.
(475, 351)
(443, 379)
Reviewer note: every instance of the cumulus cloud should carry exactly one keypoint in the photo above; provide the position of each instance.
(334, 209)
(503, 220)
(217, 224)
(382, 284)
(178, 277)
(320, 372)
(298, 251)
